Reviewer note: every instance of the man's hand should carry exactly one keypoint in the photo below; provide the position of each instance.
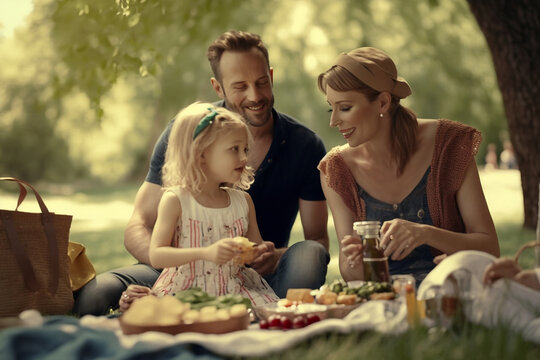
(132, 292)
(266, 259)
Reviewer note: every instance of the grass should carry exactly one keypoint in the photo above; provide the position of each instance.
(100, 215)
(470, 342)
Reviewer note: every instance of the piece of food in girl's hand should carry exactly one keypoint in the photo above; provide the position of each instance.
(247, 250)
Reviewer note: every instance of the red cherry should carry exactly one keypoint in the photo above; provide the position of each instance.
(263, 324)
(312, 318)
(286, 323)
(298, 322)
(274, 321)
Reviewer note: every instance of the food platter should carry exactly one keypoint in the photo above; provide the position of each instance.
(333, 311)
(235, 323)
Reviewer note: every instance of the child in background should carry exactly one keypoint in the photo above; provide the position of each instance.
(203, 208)
(491, 157)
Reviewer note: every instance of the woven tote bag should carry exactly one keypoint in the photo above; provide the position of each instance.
(34, 262)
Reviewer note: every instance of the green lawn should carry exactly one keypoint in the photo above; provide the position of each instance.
(100, 214)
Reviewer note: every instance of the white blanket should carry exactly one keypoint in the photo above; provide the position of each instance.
(379, 315)
(505, 302)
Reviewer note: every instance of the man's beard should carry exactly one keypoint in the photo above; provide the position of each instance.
(252, 121)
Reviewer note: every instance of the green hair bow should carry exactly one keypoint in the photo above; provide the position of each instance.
(205, 121)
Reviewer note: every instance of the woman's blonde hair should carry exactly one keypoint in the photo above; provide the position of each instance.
(184, 152)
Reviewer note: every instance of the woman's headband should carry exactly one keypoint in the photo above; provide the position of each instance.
(374, 68)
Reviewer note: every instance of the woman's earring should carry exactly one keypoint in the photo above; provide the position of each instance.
(380, 115)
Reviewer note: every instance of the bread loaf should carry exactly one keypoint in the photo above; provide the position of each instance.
(247, 249)
(300, 295)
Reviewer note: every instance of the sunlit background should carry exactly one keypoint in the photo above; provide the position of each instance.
(86, 87)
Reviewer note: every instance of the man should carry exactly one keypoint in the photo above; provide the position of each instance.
(285, 155)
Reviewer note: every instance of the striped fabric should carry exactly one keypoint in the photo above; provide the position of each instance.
(200, 227)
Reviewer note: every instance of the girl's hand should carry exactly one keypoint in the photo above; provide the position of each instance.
(132, 292)
(351, 250)
(222, 251)
(400, 237)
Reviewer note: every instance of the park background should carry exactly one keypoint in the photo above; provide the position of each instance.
(86, 87)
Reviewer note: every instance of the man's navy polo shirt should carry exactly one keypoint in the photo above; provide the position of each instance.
(288, 173)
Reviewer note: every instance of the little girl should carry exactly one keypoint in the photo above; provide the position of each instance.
(203, 207)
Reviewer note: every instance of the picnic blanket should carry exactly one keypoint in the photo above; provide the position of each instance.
(91, 337)
(505, 302)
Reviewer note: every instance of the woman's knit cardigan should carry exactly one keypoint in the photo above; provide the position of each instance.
(456, 145)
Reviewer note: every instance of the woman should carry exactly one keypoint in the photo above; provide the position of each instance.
(417, 176)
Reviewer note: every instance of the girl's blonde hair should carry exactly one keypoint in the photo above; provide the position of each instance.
(184, 153)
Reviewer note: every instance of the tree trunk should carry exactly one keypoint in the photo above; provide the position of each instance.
(512, 31)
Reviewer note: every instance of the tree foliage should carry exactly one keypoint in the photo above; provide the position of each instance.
(31, 147)
(101, 40)
(133, 64)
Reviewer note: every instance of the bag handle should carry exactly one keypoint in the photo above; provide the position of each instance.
(525, 246)
(22, 193)
(47, 220)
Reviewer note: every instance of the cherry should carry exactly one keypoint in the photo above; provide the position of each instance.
(274, 321)
(286, 323)
(312, 318)
(298, 322)
(263, 324)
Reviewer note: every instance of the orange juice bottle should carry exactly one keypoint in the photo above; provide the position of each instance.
(404, 285)
(410, 300)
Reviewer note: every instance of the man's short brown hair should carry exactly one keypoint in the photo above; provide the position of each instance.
(238, 41)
